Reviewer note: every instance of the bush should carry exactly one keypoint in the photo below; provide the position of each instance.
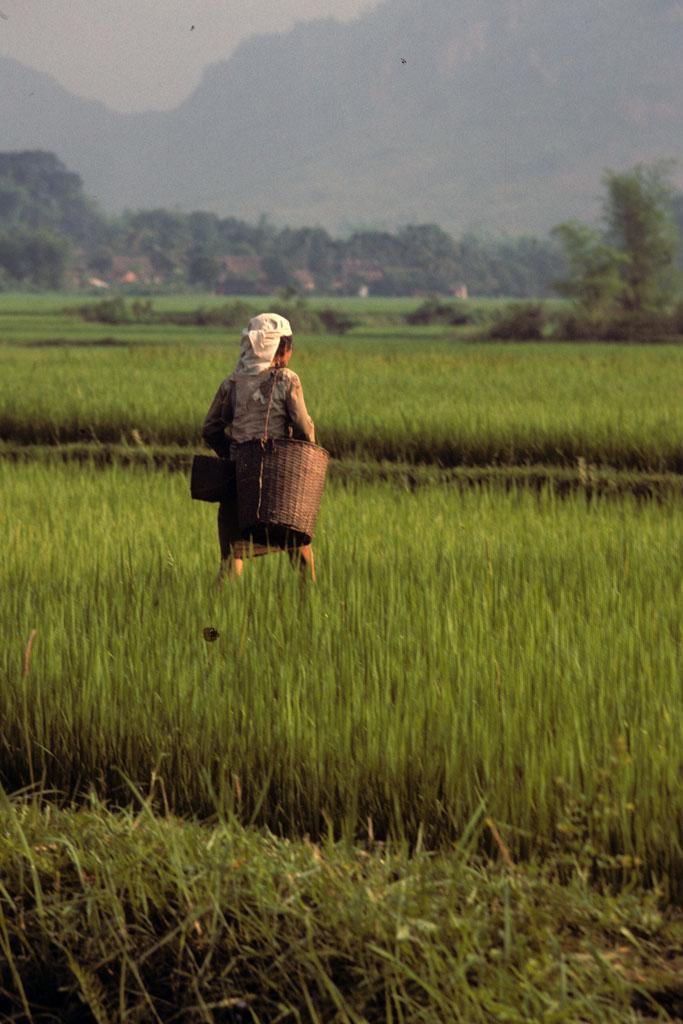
(143, 311)
(334, 322)
(230, 315)
(677, 318)
(519, 321)
(643, 327)
(305, 320)
(108, 311)
(433, 311)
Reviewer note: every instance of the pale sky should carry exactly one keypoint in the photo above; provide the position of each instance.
(144, 54)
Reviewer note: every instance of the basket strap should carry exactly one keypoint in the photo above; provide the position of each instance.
(275, 378)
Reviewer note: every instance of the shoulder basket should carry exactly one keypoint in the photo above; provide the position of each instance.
(279, 486)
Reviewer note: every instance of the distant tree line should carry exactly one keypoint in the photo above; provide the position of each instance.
(52, 235)
(623, 279)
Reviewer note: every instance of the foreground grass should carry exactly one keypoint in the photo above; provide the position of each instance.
(135, 917)
(513, 648)
(418, 398)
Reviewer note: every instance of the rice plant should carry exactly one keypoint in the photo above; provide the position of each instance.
(462, 649)
(412, 397)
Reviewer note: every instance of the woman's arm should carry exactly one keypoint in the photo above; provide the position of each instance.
(219, 416)
(297, 411)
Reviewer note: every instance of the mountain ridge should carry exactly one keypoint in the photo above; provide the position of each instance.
(502, 118)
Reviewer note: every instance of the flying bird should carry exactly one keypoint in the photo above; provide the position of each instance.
(403, 60)
(5, 17)
(191, 28)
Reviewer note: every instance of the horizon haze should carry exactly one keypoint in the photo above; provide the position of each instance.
(140, 55)
(497, 115)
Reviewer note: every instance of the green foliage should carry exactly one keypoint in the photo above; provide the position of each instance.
(229, 314)
(677, 213)
(167, 249)
(640, 223)
(306, 319)
(522, 321)
(521, 267)
(623, 280)
(142, 311)
(114, 310)
(594, 280)
(34, 258)
(139, 916)
(334, 321)
(107, 311)
(38, 193)
(202, 268)
(434, 311)
(642, 328)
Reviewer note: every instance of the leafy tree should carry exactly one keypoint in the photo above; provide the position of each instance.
(640, 223)
(11, 201)
(433, 253)
(38, 193)
(101, 260)
(37, 258)
(307, 249)
(278, 272)
(629, 268)
(202, 268)
(517, 267)
(677, 211)
(519, 321)
(239, 238)
(594, 268)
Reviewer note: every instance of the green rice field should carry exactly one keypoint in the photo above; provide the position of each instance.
(418, 399)
(443, 783)
(460, 647)
(384, 391)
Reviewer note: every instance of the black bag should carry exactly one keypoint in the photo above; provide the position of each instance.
(213, 479)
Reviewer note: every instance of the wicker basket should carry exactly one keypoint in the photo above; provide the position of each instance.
(279, 486)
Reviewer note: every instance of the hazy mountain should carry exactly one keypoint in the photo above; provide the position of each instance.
(503, 116)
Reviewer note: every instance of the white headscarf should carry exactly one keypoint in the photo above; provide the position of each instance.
(260, 341)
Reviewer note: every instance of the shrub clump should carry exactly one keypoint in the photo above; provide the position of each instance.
(107, 311)
(334, 322)
(636, 327)
(306, 320)
(519, 321)
(235, 314)
(433, 311)
(230, 314)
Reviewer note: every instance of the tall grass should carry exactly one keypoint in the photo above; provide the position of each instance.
(415, 399)
(460, 647)
(136, 917)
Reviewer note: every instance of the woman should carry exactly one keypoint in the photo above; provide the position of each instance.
(260, 388)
